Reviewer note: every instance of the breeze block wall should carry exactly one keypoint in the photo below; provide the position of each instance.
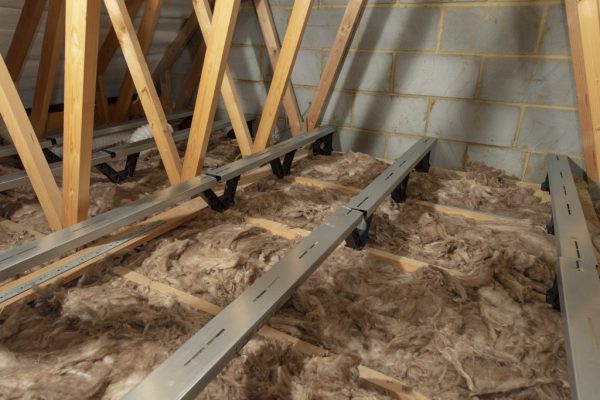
(492, 80)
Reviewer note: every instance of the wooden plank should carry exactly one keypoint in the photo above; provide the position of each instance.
(29, 21)
(144, 36)
(584, 30)
(175, 48)
(228, 91)
(52, 45)
(166, 92)
(217, 52)
(105, 55)
(271, 38)
(191, 79)
(392, 385)
(283, 70)
(29, 149)
(81, 60)
(335, 60)
(145, 87)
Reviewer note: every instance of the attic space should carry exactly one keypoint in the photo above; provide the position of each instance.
(299, 199)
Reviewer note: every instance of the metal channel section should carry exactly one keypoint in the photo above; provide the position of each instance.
(9, 150)
(368, 200)
(187, 371)
(17, 260)
(280, 149)
(16, 179)
(578, 281)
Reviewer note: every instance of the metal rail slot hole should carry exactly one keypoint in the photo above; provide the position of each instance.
(273, 282)
(389, 176)
(577, 249)
(565, 189)
(569, 208)
(578, 267)
(259, 295)
(196, 354)
(362, 202)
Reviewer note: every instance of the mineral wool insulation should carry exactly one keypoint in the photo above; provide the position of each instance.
(473, 323)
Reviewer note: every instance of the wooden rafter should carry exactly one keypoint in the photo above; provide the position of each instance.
(335, 60)
(191, 79)
(228, 91)
(145, 88)
(271, 38)
(144, 37)
(584, 30)
(29, 149)
(217, 52)
(51, 51)
(81, 60)
(105, 55)
(29, 21)
(283, 70)
(185, 34)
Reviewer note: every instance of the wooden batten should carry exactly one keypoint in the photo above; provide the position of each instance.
(144, 36)
(29, 149)
(144, 85)
(335, 60)
(213, 70)
(29, 21)
(51, 51)
(282, 73)
(228, 91)
(271, 38)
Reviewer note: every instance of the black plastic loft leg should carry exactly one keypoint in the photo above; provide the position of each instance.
(552, 296)
(250, 123)
(50, 156)
(424, 164)
(323, 146)
(120, 176)
(283, 169)
(226, 200)
(545, 186)
(550, 226)
(360, 236)
(399, 194)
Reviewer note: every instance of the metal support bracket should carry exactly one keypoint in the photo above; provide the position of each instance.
(120, 176)
(360, 235)
(323, 146)
(226, 200)
(280, 169)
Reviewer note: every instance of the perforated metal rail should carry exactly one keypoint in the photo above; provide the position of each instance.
(578, 282)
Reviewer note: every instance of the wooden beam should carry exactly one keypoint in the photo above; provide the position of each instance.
(401, 390)
(145, 35)
(105, 55)
(228, 91)
(51, 51)
(185, 34)
(29, 149)
(335, 60)
(29, 21)
(81, 61)
(583, 20)
(215, 62)
(191, 79)
(145, 88)
(283, 71)
(271, 38)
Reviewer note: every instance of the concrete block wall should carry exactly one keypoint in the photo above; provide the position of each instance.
(492, 80)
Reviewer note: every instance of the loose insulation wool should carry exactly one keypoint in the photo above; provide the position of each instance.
(472, 323)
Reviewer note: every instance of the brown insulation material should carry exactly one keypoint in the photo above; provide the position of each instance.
(296, 205)
(350, 169)
(213, 257)
(483, 189)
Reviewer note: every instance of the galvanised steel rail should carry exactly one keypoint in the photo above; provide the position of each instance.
(187, 371)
